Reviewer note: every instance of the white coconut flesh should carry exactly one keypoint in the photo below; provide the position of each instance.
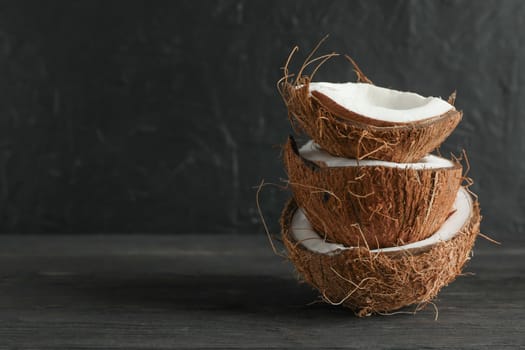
(314, 153)
(302, 231)
(381, 103)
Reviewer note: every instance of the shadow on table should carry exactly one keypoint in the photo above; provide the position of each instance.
(268, 295)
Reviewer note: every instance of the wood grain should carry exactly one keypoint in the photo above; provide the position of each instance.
(228, 291)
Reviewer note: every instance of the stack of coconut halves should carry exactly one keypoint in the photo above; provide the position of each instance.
(376, 223)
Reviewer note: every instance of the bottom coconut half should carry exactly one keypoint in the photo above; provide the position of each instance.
(387, 279)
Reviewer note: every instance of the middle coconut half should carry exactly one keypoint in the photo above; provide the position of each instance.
(371, 203)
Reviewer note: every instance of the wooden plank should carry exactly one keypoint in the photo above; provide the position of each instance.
(227, 291)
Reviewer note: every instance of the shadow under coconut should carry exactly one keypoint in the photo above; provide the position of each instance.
(262, 295)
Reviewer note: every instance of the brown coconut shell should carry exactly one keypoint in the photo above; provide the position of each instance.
(370, 282)
(347, 134)
(374, 206)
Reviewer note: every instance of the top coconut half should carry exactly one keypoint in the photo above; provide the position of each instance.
(363, 121)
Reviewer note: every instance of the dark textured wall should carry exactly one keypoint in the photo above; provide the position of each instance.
(128, 116)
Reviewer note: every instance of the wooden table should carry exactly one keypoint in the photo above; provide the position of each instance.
(228, 291)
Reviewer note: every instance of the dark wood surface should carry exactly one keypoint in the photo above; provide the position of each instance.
(228, 291)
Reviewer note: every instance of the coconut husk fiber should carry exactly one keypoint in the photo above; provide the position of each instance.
(350, 135)
(369, 282)
(374, 206)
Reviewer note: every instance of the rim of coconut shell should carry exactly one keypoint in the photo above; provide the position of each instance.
(302, 232)
(314, 156)
(430, 109)
(289, 88)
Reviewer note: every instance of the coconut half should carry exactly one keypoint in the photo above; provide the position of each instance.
(382, 280)
(360, 120)
(302, 231)
(371, 203)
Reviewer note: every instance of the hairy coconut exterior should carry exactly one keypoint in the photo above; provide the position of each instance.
(374, 206)
(350, 135)
(381, 282)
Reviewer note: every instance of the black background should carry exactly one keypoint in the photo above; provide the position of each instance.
(162, 116)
